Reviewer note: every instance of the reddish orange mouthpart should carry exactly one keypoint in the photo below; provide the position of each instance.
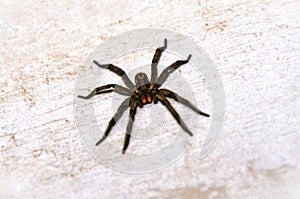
(144, 99)
(149, 99)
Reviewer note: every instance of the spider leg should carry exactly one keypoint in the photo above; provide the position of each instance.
(119, 72)
(122, 108)
(132, 113)
(171, 94)
(165, 74)
(167, 104)
(155, 61)
(104, 89)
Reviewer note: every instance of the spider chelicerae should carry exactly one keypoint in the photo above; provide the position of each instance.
(143, 92)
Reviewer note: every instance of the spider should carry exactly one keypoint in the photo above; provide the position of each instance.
(142, 93)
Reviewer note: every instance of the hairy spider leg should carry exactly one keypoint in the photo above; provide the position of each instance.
(155, 61)
(167, 71)
(132, 113)
(176, 97)
(167, 104)
(117, 71)
(122, 108)
(103, 89)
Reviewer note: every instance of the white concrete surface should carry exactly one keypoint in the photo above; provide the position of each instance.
(255, 45)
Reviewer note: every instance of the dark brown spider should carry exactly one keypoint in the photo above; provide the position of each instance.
(142, 93)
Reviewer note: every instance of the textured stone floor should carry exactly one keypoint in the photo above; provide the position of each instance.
(254, 45)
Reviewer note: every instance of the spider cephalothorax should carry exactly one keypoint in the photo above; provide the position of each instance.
(143, 92)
